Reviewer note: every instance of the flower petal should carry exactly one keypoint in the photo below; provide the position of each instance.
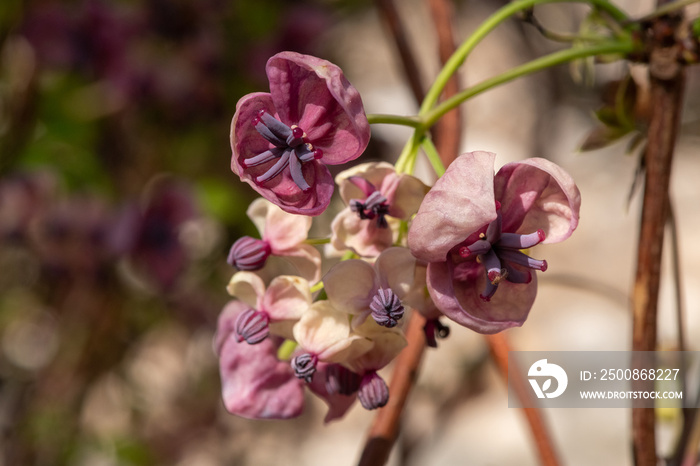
(255, 384)
(363, 236)
(286, 298)
(248, 288)
(325, 332)
(459, 299)
(338, 404)
(373, 172)
(404, 195)
(314, 94)
(396, 268)
(536, 193)
(280, 229)
(351, 285)
(460, 203)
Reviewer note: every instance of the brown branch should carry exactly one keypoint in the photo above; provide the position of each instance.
(667, 82)
(385, 428)
(447, 133)
(499, 347)
(390, 15)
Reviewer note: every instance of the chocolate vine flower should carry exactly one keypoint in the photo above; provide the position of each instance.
(274, 309)
(254, 383)
(282, 236)
(376, 197)
(361, 289)
(472, 227)
(283, 140)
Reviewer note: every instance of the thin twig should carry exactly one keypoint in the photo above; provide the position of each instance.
(499, 347)
(666, 95)
(447, 133)
(385, 428)
(390, 15)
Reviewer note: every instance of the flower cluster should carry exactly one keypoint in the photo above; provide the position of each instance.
(455, 250)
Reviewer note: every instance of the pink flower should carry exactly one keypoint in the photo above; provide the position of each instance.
(376, 197)
(283, 236)
(273, 310)
(471, 228)
(282, 141)
(361, 289)
(255, 384)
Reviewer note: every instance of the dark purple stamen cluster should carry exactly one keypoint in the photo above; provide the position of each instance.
(433, 330)
(304, 366)
(252, 326)
(373, 391)
(289, 149)
(341, 380)
(386, 308)
(248, 253)
(498, 251)
(374, 207)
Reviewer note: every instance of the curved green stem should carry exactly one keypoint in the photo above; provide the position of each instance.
(486, 27)
(433, 156)
(556, 58)
(378, 118)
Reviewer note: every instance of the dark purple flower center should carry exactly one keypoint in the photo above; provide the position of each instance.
(248, 253)
(386, 308)
(499, 251)
(373, 391)
(433, 330)
(341, 380)
(304, 366)
(375, 206)
(252, 326)
(290, 150)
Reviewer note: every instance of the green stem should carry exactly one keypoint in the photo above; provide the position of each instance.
(378, 118)
(485, 28)
(317, 240)
(433, 156)
(556, 58)
(317, 287)
(666, 9)
(284, 352)
(407, 159)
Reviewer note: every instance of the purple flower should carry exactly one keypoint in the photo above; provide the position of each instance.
(255, 384)
(282, 141)
(472, 227)
(377, 197)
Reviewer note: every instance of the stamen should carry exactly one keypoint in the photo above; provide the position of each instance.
(276, 169)
(297, 175)
(248, 253)
(340, 380)
(516, 241)
(480, 246)
(264, 157)
(516, 276)
(489, 291)
(493, 267)
(304, 366)
(252, 326)
(386, 308)
(519, 258)
(373, 391)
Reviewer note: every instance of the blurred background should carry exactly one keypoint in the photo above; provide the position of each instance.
(118, 206)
